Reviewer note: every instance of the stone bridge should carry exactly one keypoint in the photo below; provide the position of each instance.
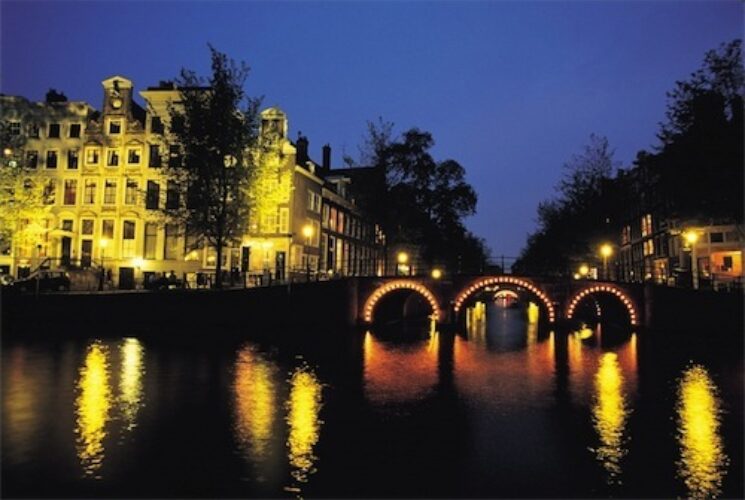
(447, 298)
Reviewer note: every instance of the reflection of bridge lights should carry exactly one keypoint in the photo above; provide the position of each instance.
(609, 414)
(401, 285)
(463, 296)
(608, 289)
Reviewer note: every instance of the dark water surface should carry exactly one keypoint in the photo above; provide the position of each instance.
(502, 408)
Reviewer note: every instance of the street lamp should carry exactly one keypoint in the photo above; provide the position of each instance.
(691, 237)
(584, 270)
(606, 250)
(308, 233)
(436, 273)
(402, 258)
(103, 243)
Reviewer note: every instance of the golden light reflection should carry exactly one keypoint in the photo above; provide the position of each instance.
(476, 322)
(93, 405)
(609, 414)
(396, 373)
(533, 313)
(304, 406)
(702, 462)
(130, 381)
(255, 402)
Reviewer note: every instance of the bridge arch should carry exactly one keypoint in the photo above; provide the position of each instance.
(391, 286)
(511, 280)
(624, 297)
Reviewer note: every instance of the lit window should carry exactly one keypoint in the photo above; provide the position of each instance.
(107, 229)
(89, 192)
(91, 156)
(71, 189)
(646, 225)
(128, 238)
(151, 236)
(170, 250)
(109, 192)
(130, 193)
(284, 218)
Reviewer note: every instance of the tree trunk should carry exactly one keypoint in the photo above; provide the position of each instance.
(218, 265)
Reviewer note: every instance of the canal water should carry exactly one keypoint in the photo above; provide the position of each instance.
(501, 408)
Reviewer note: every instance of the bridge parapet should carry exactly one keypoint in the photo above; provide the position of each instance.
(447, 296)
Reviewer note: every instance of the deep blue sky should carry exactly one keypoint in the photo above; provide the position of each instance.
(509, 89)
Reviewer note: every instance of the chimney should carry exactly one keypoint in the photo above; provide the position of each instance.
(302, 149)
(326, 157)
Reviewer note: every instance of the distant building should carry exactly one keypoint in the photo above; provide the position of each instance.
(104, 191)
(665, 249)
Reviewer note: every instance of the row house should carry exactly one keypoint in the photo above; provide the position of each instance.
(105, 194)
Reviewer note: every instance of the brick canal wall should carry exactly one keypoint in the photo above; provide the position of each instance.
(325, 305)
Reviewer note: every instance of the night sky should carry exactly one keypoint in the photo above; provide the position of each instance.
(509, 89)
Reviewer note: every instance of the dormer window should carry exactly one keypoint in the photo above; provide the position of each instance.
(115, 127)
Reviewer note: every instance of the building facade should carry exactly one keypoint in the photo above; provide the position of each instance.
(104, 194)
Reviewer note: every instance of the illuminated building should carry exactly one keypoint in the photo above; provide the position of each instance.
(105, 193)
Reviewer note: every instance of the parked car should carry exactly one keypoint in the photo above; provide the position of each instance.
(48, 281)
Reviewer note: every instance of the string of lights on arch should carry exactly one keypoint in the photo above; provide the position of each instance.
(380, 292)
(463, 296)
(627, 302)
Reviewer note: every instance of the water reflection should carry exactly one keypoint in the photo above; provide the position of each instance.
(130, 381)
(93, 406)
(397, 372)
(26, 382)
(303, 408)
(702, 459)
(255, 402)
(609, 414)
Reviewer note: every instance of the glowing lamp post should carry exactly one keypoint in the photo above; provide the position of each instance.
(308, 233)
(606, 251)
(103, 243)
(691, 237)
(436, 273)
(403, 259)
(584, 270)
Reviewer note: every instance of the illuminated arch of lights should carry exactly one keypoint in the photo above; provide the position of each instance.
(398, 285)
(625, 299)
(462, 296)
